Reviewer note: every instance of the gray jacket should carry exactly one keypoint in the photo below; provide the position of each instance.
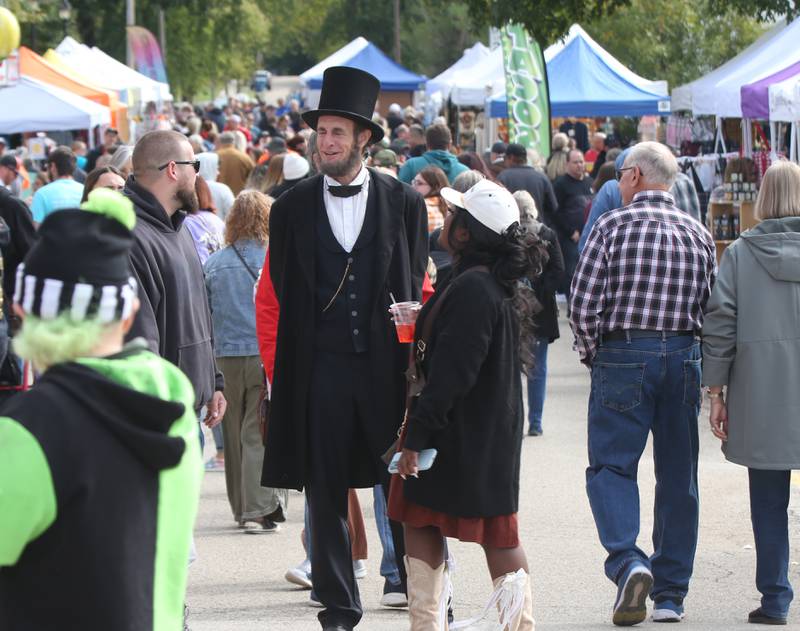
(751, 343)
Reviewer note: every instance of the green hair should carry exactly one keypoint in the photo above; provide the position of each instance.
(112, 204)
(49, 342)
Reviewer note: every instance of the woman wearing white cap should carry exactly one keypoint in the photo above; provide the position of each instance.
(470, 411)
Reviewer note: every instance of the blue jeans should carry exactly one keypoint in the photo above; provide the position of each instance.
(537, 384)
(769, 503)
(639, 386)
(389, 569)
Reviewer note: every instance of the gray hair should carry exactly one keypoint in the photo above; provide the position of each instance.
(196, 140)
(467, 180)
(122, 155)
(527, 206)
(779, 195)
(226, 138)
(655, 161)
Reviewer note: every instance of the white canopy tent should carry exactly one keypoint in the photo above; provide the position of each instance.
(110, 73)
(470, 86)
(784, 101)
(719, 92)
(31, 106)
(443, 82)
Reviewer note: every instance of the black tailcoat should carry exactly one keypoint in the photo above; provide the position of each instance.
(400, 260)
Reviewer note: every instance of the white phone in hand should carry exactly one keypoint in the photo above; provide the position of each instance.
(424, 462)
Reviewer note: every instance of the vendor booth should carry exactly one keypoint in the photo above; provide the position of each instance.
(36, 67)
(585, 80)
(719, 93)
(30, 106)
(135, 88)
(398, 84)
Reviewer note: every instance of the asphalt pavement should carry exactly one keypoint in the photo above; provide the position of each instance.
(237, 583)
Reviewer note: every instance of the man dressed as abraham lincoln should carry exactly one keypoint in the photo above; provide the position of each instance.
(341, 244)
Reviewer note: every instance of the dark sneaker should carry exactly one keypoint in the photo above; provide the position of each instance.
(277, 515)
(535, 431)
(757, 616)
(632, 591)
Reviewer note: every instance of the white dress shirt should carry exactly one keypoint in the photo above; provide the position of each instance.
(346, 214)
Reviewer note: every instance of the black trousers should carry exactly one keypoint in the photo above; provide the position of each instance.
(340, 452)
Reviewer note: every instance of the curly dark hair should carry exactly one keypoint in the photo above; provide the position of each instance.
(514, 258)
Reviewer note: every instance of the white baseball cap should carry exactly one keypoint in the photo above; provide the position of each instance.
(489, 203)
(294, 166)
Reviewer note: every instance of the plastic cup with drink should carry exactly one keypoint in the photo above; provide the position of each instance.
(405, 315)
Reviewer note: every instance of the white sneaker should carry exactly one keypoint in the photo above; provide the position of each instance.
(359, 569)
(300, 575)
(666, 615)
(393, 596)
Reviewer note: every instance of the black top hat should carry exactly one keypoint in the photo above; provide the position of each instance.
(350, 93)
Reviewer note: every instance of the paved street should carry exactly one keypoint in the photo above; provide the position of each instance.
(237, 582)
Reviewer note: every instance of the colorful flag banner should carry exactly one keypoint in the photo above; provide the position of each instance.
(526, 90)
(147, 53)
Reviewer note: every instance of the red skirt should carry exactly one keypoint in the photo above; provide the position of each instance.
(495, 532)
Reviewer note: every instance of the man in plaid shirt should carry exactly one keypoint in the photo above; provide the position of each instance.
(636, 307)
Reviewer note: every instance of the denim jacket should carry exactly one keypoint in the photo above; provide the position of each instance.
(230, 295)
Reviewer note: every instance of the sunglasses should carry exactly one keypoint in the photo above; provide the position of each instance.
(194, 163)
(621, 172)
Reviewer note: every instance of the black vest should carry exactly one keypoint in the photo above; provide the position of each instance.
(343, 299)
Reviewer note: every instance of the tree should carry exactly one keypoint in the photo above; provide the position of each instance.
(545, 20)
(678, 41)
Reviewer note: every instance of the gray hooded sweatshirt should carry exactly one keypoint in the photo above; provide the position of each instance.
(751, 343)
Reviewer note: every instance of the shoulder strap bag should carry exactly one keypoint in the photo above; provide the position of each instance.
(415, 376)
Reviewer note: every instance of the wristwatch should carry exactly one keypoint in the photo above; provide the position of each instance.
(714, 395)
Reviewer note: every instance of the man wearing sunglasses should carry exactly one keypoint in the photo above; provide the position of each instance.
(174, 317)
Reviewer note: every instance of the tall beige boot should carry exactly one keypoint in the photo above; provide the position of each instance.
(511, 589)
(426, 592)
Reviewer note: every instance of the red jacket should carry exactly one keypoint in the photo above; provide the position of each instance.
(266, 319)
(267, 310)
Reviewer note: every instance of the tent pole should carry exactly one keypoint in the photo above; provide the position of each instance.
(720, 139)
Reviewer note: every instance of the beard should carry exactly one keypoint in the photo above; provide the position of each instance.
(188, 199)
(345, 166)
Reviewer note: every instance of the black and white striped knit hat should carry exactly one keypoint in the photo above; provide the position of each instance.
(80, 263)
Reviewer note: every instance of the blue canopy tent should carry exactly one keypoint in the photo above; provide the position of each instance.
(363, 54)
(583, 83)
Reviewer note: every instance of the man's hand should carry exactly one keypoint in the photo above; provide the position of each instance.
(408, 464)
(576, 236)
(719, 418)
(215, 409)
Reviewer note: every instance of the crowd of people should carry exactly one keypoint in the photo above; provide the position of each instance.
(235, 267)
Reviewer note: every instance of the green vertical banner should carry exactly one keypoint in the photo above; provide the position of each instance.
(526, 90)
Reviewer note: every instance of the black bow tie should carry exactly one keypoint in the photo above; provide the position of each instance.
(344, 191)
